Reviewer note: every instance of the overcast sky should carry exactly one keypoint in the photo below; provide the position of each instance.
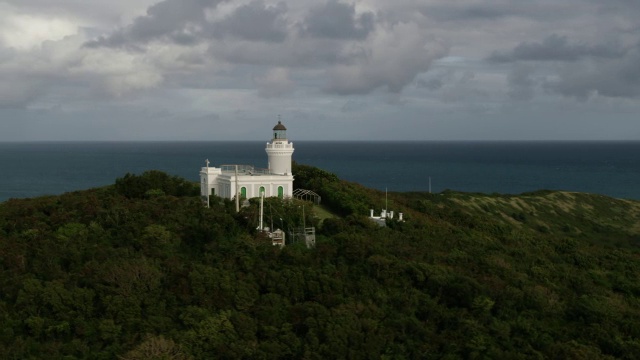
(334, 70)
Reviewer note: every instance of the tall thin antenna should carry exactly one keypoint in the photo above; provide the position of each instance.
(386, 202)
(429, 184)
(207, 185)
(261, 225)
(237, 192)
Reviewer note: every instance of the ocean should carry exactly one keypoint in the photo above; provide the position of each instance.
(607, 168)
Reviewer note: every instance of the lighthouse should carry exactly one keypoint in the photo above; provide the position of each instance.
(247, 181)
(279, 151)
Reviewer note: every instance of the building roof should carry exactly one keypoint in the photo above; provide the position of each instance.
(279, 126)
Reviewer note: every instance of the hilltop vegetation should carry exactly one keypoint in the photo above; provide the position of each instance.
(141, 270)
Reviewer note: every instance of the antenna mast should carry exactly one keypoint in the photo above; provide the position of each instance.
(237, 192)
(260, 225)
(207, 185)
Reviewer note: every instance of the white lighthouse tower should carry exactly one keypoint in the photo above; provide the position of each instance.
(246, 181)
(279, 151)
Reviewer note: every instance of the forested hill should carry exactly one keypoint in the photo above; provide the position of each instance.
(141, 270)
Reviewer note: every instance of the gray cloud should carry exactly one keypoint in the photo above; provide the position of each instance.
(436, 80)
(352, 106)
(394, 58)
(617, 7)
(346, 61)
(170, 19)
(543, 10)
(556, 48)
(521, 83)
(290, 53)
(184, 22)
(335, 20)
(583, 71)
(475, 11)
(255, 22)
(16, 92)
(616, 78)
(97, 13)
(275, 83)
(464, 88)
(431, 84)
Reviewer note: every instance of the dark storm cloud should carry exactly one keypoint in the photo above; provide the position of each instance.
(556, 48)
(335, 20)
(255, 22)
(616, 78)
(166, 19)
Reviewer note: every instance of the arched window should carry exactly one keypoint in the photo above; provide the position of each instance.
(280, 192)
(243, 192)
(262, 191)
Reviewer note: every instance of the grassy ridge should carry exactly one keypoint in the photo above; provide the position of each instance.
(550, 211)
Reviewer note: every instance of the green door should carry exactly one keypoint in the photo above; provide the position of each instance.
(243, 192)
(280, 192)
(262, 190)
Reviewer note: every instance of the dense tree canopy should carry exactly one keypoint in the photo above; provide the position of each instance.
(131, 272)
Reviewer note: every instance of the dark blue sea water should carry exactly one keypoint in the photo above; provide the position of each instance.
(608, 168)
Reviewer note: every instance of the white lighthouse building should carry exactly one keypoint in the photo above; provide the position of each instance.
(279, 151)
(247, 181)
